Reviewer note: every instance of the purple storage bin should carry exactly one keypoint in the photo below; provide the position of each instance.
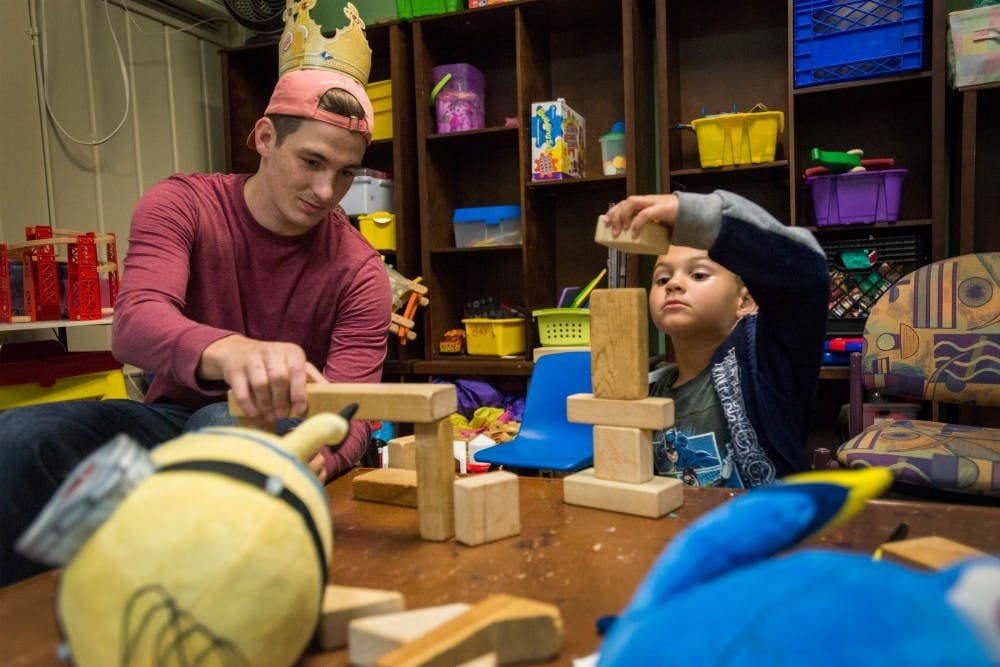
(856, 197)
(460, 104)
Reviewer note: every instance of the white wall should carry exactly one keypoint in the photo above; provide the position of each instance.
(173, 120)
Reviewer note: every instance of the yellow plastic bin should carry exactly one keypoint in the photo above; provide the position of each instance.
(380, 94)
(738, 138)
(379, 228)
(494, 337)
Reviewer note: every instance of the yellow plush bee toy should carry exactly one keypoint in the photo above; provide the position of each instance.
(217, 554)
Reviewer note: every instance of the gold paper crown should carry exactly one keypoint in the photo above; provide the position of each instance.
(303, 46)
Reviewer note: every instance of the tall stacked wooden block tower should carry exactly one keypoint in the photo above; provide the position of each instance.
(622, 412)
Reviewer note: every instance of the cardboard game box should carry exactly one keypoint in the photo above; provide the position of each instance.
(557, 141)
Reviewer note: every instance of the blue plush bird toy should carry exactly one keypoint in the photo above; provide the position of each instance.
(721, 595)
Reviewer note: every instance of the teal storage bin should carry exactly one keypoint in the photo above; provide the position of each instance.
(408, 9)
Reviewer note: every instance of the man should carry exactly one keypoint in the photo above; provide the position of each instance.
(253, 283)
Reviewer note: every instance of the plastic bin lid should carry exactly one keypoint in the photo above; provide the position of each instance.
(612, 136)
(491, 215)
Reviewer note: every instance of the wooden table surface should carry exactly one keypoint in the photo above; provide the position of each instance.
(587, 562)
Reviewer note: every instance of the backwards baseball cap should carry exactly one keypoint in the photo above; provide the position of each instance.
(298, 93)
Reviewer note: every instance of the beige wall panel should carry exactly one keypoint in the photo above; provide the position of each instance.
(68, 80)
(22, 169)
(212, 76)
(116, 181)
(152, 102)
(188, 102)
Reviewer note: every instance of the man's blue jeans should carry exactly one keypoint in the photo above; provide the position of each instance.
(41, 444)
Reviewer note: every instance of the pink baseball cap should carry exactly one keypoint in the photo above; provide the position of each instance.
(298, 93)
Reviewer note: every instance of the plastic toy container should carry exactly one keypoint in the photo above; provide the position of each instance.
(613, 153)
(494, 338)
(856, 197)
(487, 225)
(380, 94)
(379, 228)
(459, 98)
(563, 326)
(738, 138)
(408, 9)
(859, 39)
(368, 194)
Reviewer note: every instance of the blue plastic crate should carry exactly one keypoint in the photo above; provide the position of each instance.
(841, 40)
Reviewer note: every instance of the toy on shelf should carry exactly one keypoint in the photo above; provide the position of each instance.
(40, 274)
(452, 342)
(414, 294)
(839, 162)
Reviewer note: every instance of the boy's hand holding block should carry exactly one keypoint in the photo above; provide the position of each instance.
(653, 239)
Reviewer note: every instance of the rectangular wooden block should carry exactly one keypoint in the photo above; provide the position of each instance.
(654, 498)
(402, 452)
(369, 638)
(416, 402)
(487, 507)
(515, 629)
(395, 486)
(623, 454)
(653, 239)
(435, 476)
(619, 343)
(342, 604)
(932, 552)
(653, 413)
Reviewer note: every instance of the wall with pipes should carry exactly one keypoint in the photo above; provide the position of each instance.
(133, 95)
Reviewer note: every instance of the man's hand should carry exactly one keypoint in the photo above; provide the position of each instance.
(638, 210)
(318, 466)
(268, 380)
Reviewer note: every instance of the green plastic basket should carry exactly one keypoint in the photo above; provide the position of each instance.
(563, 326)
(409, 9)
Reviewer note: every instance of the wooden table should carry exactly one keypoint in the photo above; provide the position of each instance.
(587, 562)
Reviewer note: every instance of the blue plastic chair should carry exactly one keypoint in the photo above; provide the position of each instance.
(547, 441)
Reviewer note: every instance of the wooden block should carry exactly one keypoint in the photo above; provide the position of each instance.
(342, 604)
(396, 401)
(619, 343)
(488, 660)
(402, 452)
(368, 639)
(653, 239)
(623, 454)
(539, 352)
(395, 486)
(487, 507)
(652, 413)
(515, 629)
(930, 553)
(435, 476)
(654, 498)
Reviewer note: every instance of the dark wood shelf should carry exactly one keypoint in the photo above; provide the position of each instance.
(466, 365)
(863, 83)
(834, 373)
(779, 167)
(474, 135)
(874, 226)
(570, 184)
(477, 249)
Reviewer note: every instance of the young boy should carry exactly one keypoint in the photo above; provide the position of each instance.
(743, 299)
